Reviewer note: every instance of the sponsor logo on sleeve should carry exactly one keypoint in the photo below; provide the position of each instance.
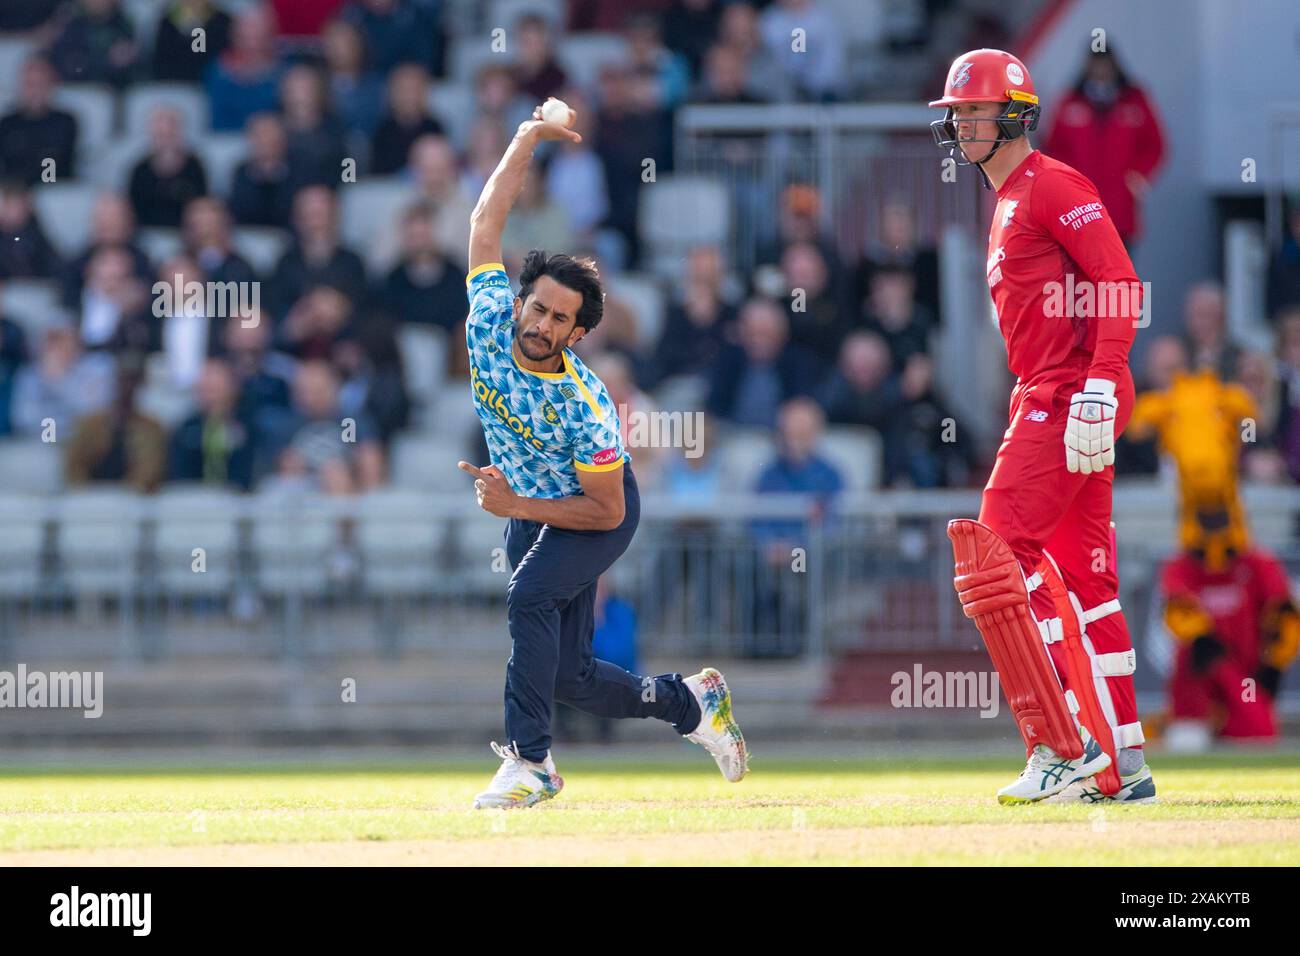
(605, 457)
(1080, 216)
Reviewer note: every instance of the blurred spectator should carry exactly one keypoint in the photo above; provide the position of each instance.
(169, 176)
(315, 323)
(36, 131)
(114, 312)
(900, 247)
(95, 45)
(213, 445)
(487, 144)
(120, 444)
(331, 456)
(1166, 356)
(262, 379)
(864, 390)
(698, 320)
(575, 178)
(1108, 130)
(1205, 324)
(690, 27)
(798, 468)
(374, 382)
(1288, 371)
(317, 145)
(891, 311)
(1284, 265)
(629, 131)
(353, 88)
(537, 72)
(497, 97)
(751, 380)
(401, 32)
(62, 384)
(25, 252)
(184, 330)
(406, 119)
(817, 70)
(245, 79)
(725, 78)
(206, 232)
(112, 224)
(780, 598)
(18, 16)
(693, 475)
(174, 57)
(635, 413)
(262, 191)
(426, 285)
(1261, 459)
(536, 221)
(666, 74)
(739, 29)
(13, 355)
(317, 256)
(433, 165)
(799, 221)
(819, 318)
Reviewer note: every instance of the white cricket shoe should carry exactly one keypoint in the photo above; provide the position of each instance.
(1047, 773)
(519, 782)
(718, 732)
(1136, 787)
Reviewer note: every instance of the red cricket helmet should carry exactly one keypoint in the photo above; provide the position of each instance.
(987, 76)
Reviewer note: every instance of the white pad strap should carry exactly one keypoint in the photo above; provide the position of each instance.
(1128, 735)
(1033, 582)
(1118, 664)
(1100, 611)
(1072, 702)
(1051, 630)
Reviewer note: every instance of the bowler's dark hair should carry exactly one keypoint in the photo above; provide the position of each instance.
(580, 275)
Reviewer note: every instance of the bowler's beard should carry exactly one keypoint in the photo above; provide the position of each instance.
(535, 348)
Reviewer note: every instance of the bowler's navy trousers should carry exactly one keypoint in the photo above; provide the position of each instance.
(550, 607)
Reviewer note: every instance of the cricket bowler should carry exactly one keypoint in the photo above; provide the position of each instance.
(560, 474)
(1036, 572)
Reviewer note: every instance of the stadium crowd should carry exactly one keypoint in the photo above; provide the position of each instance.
(315, 89)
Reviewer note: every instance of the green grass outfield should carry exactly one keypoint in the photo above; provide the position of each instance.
(1220, 809)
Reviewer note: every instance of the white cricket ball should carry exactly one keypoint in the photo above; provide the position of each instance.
(557, 111)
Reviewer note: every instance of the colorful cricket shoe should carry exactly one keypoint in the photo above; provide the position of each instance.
(519, 782)
(1137, 787)
(1047, 773)
(718, 732)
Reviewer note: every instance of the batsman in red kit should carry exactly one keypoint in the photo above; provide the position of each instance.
(1036, 572)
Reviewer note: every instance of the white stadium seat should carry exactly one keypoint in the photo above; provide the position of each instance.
(99, 540)
(160, 243)
(745, 452)
(452, 104)
(583, 54)
(93, 106)
(13, 53)
(855, 452)
(111, 171)
(399, 539)
(64, 210)
(426, 463)
(424, 359)
(31, 466)
(32, 303)
(221, 154)
(262, 246)
(646, 297)
(23, 520)
(680, 212)
(190, 517)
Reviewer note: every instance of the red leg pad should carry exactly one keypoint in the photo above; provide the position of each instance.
(1079, 676)
(993, 595)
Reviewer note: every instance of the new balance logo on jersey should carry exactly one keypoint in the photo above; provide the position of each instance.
(1009, 210)
(1036, 415)
(992, 268)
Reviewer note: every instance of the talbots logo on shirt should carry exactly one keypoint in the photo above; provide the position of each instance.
(605, 457)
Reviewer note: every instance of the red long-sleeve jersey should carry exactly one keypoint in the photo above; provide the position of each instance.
(1067, 298)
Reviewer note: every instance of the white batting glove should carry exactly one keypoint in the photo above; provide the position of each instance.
(1090, 430)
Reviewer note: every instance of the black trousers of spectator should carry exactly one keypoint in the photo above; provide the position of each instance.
(550, 607)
